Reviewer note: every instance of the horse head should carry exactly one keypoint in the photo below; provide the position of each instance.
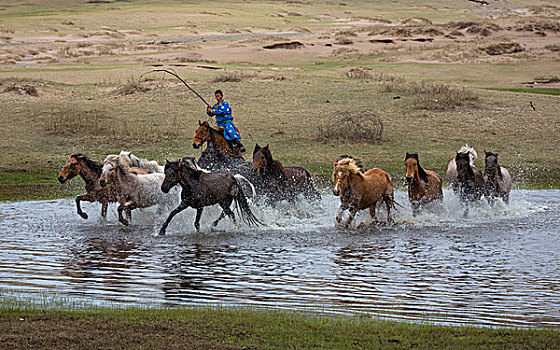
(71, 168)
(341, 174)
(171, 171)
(491, 162)
(463, 162)
(201, 135)
(262, 158)
(412, 164)
(111, 166)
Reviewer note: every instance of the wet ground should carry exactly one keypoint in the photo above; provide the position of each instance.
(497, 267)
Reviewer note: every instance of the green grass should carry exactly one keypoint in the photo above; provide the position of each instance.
(542, 91)
(242, 328)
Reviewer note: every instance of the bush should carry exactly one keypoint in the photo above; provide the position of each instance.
(130, 87)
(352, 127)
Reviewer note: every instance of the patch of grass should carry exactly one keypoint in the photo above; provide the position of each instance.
(541, 91)
(131, 86)
(242, 328)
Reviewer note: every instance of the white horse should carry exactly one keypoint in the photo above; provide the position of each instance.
(133, 161)
(132, 191)
(452, 174)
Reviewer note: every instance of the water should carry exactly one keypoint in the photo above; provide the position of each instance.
(498, 267)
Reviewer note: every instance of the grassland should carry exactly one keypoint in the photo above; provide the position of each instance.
(219, 328)
(84, 61)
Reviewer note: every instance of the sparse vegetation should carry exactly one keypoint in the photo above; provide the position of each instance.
(132, 85)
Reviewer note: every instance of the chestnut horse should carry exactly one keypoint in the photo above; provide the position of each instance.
(359, 190)
(497, 180)
(205, 133)
(282, 182)
(424, 186)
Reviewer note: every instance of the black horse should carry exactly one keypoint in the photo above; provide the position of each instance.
(282, 182)
(470, 181)
(201, 189)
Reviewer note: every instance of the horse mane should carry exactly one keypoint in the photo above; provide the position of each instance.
(357, 161)
(96, 167)
(421, 172)
(348, 165)
(472, 153)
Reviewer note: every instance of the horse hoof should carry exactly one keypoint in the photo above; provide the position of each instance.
(161, 233)
(83, 215)
(124, 222)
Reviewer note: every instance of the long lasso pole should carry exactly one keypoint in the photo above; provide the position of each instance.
(178, 77)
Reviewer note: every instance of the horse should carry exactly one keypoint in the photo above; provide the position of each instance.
(282, 182)
(90, 171)
(424, 186)
(201, 189)
(205, 133)
(131, 190)
(497, 179)
(357, 161)
(151, 166)
(360, 191)
(451, 174)
(470, 181)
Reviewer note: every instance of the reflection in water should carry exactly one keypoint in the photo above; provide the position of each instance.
(497, 267)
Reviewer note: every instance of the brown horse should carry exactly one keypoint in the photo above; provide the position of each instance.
(424, 186)
(90, 171)
(205, 133)
(359, 190)
(280, 182)
(497, 180)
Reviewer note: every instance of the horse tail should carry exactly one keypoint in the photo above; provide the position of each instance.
(241, 177)
(243, 208)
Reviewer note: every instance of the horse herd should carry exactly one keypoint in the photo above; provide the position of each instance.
(137, 183)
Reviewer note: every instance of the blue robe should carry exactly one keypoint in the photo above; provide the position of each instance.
(224, 118)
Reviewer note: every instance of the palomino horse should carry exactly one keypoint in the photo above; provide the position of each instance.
(89, 170)
(205, 133)
(451, 174)
(201, 189)
(131, 190)
(497, 179)
(280, 182)
(424, 186)
(470, 181)
(359, 190)
(151, 166)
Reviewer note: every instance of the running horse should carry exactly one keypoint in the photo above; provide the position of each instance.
(360, 191)
(282, 182)
(497, 180)
(215, 138)
(90, 171)
(200, 189)
(470, 185)
(424, 186)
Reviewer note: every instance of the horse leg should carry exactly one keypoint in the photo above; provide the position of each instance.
(225, 210)
(372, 213)
(182, 206)
(197, 220)
(339, 215)
(353, 212)
(104, 206)
(389, 203)
(83, 197)
(505, 198)
(121, 218)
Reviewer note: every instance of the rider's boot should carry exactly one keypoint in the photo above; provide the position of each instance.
(237, 143)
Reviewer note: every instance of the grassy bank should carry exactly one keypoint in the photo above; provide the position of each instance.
(232, 328)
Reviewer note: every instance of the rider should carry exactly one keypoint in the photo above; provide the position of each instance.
(224, 118)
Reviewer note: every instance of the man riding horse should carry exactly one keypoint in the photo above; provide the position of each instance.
(224, 118)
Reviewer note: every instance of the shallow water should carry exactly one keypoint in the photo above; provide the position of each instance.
(497, 267)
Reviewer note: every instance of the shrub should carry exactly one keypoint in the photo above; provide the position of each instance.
(349, 127)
